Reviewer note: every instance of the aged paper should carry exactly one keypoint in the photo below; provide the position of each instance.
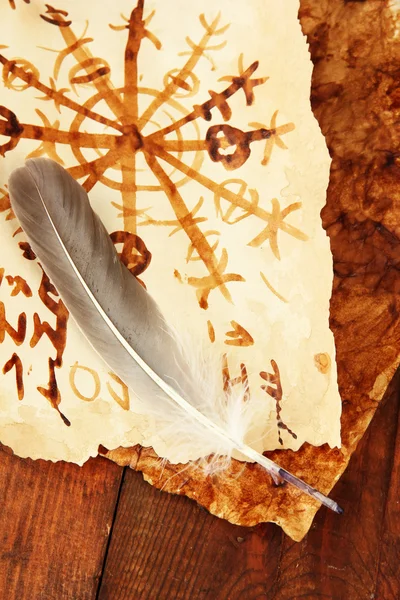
(194, 136)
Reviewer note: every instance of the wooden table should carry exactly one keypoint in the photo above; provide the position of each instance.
(100, 532)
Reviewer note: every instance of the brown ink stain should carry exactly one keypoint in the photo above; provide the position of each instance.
(275, 391)
(57, 337)
(123, 400)
(178, 276)
(240, 336)
(17, 335)
(20, 285)
(229, 382)
(323, 362)
(27, 251)
(125, 138)
(12, 3)
(272, 289)
(15, 361)
(95, 378)
(5, 204)
(134, 254)
(276, 222)
(211, 331)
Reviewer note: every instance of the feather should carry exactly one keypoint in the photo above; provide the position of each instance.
(125, 326)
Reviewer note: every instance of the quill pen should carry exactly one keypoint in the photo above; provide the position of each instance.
(122, 321)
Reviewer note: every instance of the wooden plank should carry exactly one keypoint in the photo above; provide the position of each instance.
(387, 584)
(167, 547)
(340, 558)
(54, 525)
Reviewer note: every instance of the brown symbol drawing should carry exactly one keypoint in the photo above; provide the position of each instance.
(57, 337)
(20, 285)
(229, 382)
(118, 147)
(272, 289)
(123, 401)
(211, 331)
(16, 362)
(12, 3)
(17, 335)
(276, 392)
(240, 336)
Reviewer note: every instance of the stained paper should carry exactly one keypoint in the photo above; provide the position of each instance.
(190, 127)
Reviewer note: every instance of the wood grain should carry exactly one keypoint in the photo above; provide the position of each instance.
(54, 525)
(167, 547)
(56, 518)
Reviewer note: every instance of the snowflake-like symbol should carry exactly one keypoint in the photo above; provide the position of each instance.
(125, 137)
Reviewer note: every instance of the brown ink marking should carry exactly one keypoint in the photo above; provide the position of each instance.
(275, 223)
(227, 215)
(190, 257)
(178, 276)
(121, 148)
(20, 285)
(124, 402)
(9, 127)
(248, 85)
(276, 393)
(240, 336)
(275, 138)
(211, 331)
(58, 22)
(178, 225)
(275, 219)
(323, 362)
(136, 33)
(216, 279)
(191, 89)
(92, 72)
(82, 54)
(113, 99)
(205, 285)
(11, 67)
(62, 54)
(55, 98)
(27, 251)
(15, 361)
(59, 11)
(47, 147)
(272, 289)
(134, 255)
(229, 382)
(5, 203)
(17, 335)
(95, 169)
(186, 71)
(15, 130)
(57, 337)
(96, 381)
(218, 100)
(1, 275)
(12, 3)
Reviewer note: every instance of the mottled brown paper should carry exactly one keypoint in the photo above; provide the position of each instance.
(355, 95)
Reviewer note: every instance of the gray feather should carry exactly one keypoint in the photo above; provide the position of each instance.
(116, 314)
